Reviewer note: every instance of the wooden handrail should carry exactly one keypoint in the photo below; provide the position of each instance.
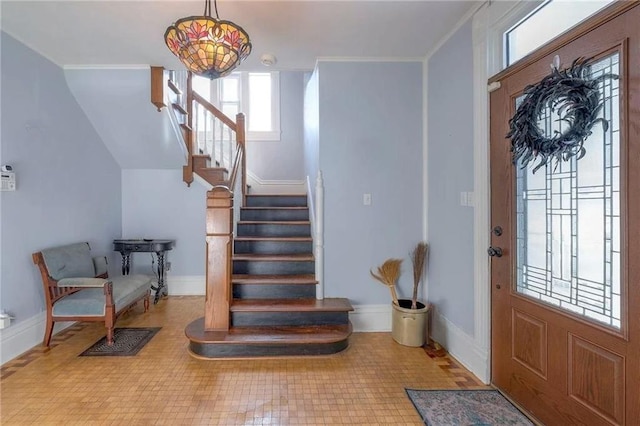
(213, 110)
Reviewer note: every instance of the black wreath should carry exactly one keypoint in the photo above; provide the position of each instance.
(573, 93)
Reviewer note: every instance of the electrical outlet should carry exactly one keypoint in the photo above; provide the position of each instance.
(366, 199)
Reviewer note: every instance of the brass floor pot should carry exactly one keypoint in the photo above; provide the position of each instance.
(409, 326)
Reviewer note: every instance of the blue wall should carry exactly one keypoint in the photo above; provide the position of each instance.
(68, 184)
(370, 142)
(158, 204)
(450, 171)
(311, 129)
(283, 159)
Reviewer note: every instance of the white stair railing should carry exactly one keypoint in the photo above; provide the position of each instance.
(212, 135)
(318, 238)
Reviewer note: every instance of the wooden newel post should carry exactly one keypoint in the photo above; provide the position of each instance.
(219, 262)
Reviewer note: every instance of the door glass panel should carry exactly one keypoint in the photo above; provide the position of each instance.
(568, 218)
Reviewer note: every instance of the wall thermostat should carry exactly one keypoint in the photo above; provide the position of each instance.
(8, 178)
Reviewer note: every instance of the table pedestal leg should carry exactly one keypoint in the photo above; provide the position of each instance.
(162, 288)
(126, 263)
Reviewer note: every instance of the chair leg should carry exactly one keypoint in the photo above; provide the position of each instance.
(146, 300)
(48, 331)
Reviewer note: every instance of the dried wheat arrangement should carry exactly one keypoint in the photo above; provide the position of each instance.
(388, 275)
(418, 258)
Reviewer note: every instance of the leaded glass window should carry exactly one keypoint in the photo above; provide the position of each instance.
(568, 218)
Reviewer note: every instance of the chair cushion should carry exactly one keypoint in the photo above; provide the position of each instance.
(70, 261)
(90, 302)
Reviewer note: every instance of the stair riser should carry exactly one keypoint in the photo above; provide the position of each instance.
(257, 267)
(273, 230)
(213, 350)
(201, 162)
(273, 247)
(276, 201)
(213, 174)
(272, 215)
(274, 291)
(268, 319)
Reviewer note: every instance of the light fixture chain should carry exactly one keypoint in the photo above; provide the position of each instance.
(215, 4)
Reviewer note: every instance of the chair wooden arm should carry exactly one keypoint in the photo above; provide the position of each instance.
(82, 282)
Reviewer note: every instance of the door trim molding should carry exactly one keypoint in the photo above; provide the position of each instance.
(489, 22)
(481, 211)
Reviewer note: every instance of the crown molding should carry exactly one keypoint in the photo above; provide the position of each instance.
(107, 67)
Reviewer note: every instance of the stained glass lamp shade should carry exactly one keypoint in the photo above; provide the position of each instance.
(207, 46)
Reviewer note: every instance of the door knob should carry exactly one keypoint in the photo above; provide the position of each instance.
(494, 251)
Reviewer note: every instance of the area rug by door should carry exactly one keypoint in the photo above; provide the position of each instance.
(466, 408)
(126, 342)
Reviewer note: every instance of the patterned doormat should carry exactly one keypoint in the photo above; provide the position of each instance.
(466, 407)
(126, 342)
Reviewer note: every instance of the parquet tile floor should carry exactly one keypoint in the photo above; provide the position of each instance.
(164, 385)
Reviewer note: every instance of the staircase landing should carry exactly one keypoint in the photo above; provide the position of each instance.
(274, 311)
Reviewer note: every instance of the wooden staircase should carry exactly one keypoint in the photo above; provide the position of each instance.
(260, 298)
(274, 310)
(213, 175)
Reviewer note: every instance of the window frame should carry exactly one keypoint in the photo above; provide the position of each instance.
(243, 103)
(526, 12)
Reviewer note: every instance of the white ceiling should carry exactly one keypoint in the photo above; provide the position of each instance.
(91, 32)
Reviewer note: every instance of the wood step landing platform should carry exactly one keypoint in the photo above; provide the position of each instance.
(323, 336)
(256, 342)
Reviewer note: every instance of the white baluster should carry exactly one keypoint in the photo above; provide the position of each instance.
(206, 125)
(195, 127)
(213, 135)
(230, 134)
(220, 142)
(319, 237)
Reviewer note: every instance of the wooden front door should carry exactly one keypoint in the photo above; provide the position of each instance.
(566, 288)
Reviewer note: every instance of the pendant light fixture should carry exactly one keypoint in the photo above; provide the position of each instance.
(207, 46)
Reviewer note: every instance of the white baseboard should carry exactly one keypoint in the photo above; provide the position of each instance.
(370, 318)
(365, 318)
(19, 338)
(186, 285)
(461, 346)
(265, 186)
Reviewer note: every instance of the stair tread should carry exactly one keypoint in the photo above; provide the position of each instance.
(275, 208)
(274, 222)
(179, 108)
(275, 334)
(257, 238)
(173, 87)
(276, 195)
(301, 257)
(274, 279)
(291, 305)
(216, 169)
